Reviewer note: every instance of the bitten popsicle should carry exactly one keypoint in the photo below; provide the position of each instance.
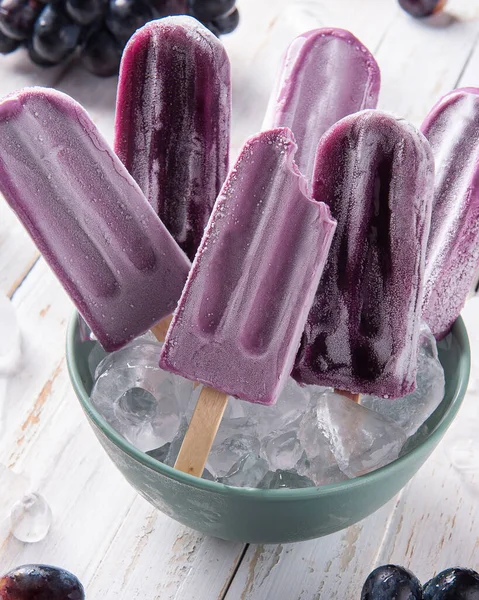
(172, 126)
(242, 312)
(88, 217)
(376, 174)
(326, 74)
(452, 261)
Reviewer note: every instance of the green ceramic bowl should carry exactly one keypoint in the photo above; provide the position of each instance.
(271, 516)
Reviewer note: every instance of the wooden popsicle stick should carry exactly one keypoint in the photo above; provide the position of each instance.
(159, 330)
(201, 432)
(354, 397)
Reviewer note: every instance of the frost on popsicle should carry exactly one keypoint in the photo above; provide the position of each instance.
(239, 320)
(326, 74)
(452, 129)
(376, 174)
(88, 217)
(172, 126)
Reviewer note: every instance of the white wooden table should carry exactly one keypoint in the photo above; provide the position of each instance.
(117, 544)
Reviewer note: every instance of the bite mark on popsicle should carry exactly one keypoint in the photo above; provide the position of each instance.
(239, 320)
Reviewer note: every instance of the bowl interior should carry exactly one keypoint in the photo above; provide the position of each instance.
(454, 354)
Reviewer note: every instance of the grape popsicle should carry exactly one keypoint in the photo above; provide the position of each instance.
(326, 74)
(452, 262)
(376, 174)
(239, 321)
(172, 126)
(87, 216)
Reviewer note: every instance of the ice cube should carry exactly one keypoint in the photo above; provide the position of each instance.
(228, 452)
(30, 518)
(291, 404)
(141, 401)
(247, 472)
(160, 453)
(317, 463)
(360, 439)
(411, 411)
(282, 449)
(274, 480)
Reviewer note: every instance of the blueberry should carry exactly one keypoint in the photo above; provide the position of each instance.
(40, 582)
(391, 582)
(453, 584)
(422, 8)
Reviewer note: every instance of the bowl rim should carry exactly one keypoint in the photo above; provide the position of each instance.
(459, 332)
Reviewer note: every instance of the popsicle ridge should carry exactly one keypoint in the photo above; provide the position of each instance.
(239, 321)
(376, 174)
(87, 216)
(452, 128)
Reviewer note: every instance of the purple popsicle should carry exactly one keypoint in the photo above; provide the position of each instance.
(376, 174)
(88, 217)
(326, 75)
(172, 125)
(239, 321)
(452, 262)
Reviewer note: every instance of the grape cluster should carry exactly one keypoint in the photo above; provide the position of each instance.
(97, 30)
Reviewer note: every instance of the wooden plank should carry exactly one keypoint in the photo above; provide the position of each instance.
(332, 567)
(153, 557)
(470, 76)
(17, 251)
(422, 60)
(18, 71)
(101, 527)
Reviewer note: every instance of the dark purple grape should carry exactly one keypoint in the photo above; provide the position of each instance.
(453, 584)
(227, 23)
(101, 54)
(7, 44)
(124, 17)
(40, 582)
(390, 581)
(85, 12)
(208, 10)
(35, 58)
(55, 36)
(212, 27)
(422, 8)
(17, 17)
(165, 8)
